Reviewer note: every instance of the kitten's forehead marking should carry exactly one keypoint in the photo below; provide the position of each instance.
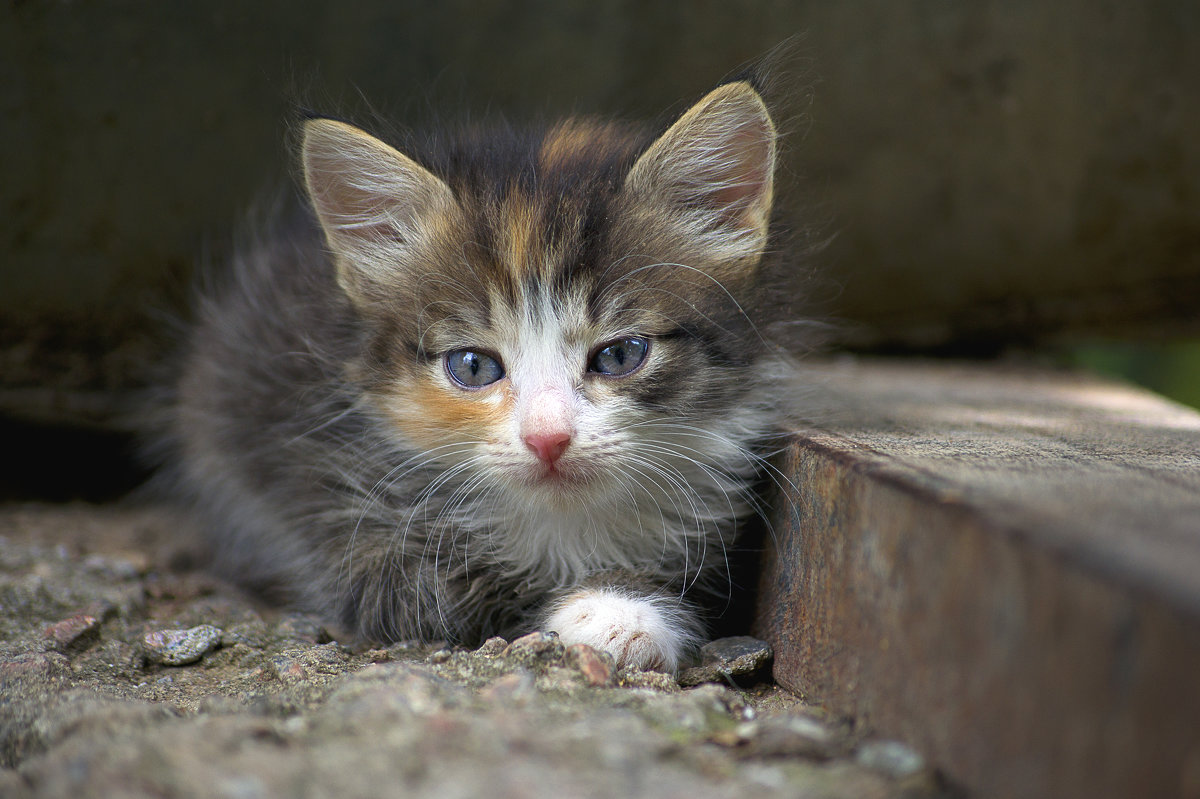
(544, 306)
(550, 343)
(525, 246)
(566, 141)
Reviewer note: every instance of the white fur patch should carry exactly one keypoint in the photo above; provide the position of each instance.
(638, 631)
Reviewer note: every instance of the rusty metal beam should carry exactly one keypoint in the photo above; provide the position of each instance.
(1001, 568)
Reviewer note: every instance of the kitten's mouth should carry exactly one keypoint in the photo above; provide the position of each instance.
(557, 475)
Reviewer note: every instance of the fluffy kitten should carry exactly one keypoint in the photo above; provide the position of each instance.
(505, 381)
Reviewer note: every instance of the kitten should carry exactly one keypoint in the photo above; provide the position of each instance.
(502, 381)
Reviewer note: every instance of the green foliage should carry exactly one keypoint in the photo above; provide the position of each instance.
(1170, 368)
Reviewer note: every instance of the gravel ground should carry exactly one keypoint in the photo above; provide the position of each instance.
(124, 672)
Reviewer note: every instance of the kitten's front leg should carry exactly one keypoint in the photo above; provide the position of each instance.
(639, 630)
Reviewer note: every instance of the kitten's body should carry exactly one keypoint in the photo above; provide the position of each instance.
(333, 426)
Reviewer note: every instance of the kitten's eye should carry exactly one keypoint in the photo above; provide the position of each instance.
(472, 369)
(620, 357)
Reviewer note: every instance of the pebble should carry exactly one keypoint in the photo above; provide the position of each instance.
(378, 655)
(597, 667)
(440, 656)
(76, 632)
(289, 670)
(724, 658)
(317, 663)
(492, 647)
(536, 646)
(180, 647)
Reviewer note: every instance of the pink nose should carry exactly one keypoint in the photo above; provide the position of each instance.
(549, 447)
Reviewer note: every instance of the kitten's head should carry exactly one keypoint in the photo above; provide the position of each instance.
(564, 311)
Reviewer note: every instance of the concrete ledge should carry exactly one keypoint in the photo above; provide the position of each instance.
(1001, 568)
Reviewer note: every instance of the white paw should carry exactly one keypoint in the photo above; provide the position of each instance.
(638, 631)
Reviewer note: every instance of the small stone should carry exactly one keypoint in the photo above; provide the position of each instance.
(441, 656)
(180, 647)
(77, 632)
(739, 654)
(597, 667)
(378, 655)
(492, 647)
(289, 670)
(725, 658)
(318, 664)
(536, 646)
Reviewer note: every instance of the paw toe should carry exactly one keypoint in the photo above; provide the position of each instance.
(635, 630)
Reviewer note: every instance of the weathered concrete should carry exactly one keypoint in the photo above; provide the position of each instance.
(1002, 568)
(96, 604)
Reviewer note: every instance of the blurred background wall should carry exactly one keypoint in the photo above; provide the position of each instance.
(997, 176)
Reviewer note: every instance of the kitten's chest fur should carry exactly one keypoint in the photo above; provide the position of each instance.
(491, 371)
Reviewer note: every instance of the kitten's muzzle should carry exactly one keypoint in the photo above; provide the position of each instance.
(547, 423)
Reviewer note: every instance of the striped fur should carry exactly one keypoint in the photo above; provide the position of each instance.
(337, 464)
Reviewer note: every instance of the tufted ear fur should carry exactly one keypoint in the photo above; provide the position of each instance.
(376, 206)
(712, 171)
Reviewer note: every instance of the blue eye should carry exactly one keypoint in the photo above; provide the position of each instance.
(471, 369)
(620, 357)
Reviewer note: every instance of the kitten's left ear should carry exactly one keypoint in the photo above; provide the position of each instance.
(713, 170)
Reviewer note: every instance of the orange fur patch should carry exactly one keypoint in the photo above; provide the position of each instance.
(523, 242)
(566, 141)
(431, 415)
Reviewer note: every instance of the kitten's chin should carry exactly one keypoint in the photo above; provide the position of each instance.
(558, 484)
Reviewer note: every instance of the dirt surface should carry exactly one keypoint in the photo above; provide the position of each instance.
(125, 672)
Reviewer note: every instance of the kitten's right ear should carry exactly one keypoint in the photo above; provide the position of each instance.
(712, 173)
(374, 203)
